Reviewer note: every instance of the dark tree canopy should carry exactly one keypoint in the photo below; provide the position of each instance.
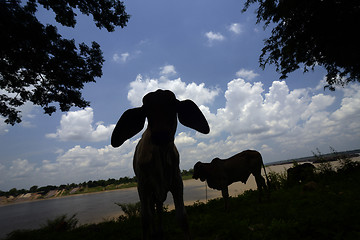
(38, 65)
(310, 33)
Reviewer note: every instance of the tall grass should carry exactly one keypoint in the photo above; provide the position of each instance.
(131, 210)
(61, 223)
(277, 180)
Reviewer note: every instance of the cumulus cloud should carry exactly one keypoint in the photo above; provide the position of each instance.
(167, 70)
(183, 139)
(26, 112)
(289, 122)
(75, 165)
(350, 109)
(80, 164)
(78, 126)
(249, 111)
(236, 28)
(21, 168)
(246, 74)
(214, 37)
(280, 122)
(197, 92)
(4, 128)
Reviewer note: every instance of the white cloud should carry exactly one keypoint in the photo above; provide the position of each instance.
(26, 112)
(80, 164)
(21, 168)
(78, 126)
(289, 122)
(75, 165)
(167, 70)
(214, 37)
(4, 128)
(197, 92)
(116, 57)
(236, 28)
(350, 109)
(279, 122)
(318, 103)
(246, 74)
(122, 58)
(183, 139)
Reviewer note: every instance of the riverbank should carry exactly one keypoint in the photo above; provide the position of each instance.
(234, 189)
(328, 210)
(56, 194)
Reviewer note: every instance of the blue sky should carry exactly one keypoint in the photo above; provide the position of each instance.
(206, 51)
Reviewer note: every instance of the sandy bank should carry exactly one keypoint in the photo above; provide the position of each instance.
(204, 193)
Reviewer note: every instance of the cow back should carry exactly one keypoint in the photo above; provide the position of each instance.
(241, 165)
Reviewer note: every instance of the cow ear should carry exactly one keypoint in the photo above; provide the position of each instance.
(130, 123)
(190, 116)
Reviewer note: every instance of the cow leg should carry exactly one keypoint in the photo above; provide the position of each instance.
(147, 211)
(177, 191)
(146, 218)
(225, 194)
(159, 231)
(260, 182)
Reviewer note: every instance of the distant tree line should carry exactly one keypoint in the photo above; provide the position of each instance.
(187, 172)
(90, 184)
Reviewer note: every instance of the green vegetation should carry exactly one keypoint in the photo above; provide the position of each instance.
(73, 188)
(61, 223)
(307, 34)
(38, 65)
(130, 210)
(327, 207)
(85, 187)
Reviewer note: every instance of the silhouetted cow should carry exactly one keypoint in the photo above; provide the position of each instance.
(219, 174)
(300, 173)
(156, 159)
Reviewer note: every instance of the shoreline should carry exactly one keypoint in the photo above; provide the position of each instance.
(279, 167)
(60, 197)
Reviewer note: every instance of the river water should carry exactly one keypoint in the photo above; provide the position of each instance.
(96, 207)
(89, 208)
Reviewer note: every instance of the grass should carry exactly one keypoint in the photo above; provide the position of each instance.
(328, 208)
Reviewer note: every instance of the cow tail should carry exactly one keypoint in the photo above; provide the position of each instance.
(267, 179)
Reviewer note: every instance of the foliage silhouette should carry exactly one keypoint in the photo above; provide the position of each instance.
(37, 65)
(61, 223)
(310, 33)
(131, 210)
(90, 186)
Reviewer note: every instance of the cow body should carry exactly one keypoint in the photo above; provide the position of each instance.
(220, 173)
(156, 159)
(300, 173)
(157, 170)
